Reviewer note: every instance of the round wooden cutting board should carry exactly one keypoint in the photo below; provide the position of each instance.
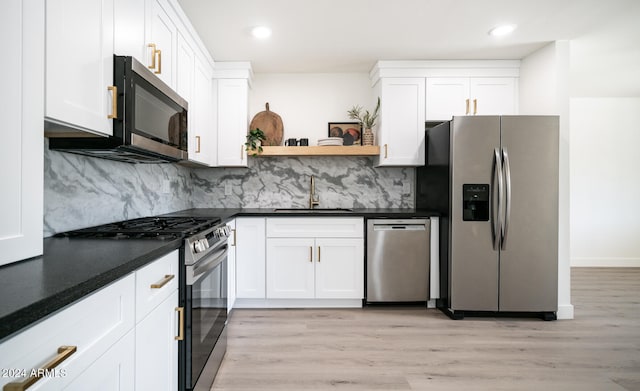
(271, 124)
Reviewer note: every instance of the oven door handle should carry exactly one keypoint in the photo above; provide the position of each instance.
(198, 270)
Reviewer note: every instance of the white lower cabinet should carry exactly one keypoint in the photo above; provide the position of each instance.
(322, 268)
(315, 258)
(113, 371)
(121, 337)
(250, 258)
(157, 317)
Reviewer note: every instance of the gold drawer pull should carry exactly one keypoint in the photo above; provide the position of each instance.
(163, 282)
(197, 144)
(475, 106)
(64, 352)
(180, 336)
(318, 254)
(386, 151)
(310, 253)
(234, 237)
(466, 112)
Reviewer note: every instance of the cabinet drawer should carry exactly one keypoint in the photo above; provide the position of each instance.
(92, 325)
(315, 227)
(155, 282)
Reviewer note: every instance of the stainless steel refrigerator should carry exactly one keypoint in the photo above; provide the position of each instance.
(494, 179)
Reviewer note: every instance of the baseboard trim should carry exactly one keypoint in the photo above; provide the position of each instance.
(605, 262)
(565, 311)
(298, 303)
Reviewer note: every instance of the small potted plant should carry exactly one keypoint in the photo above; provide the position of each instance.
(255, 138)
(367, 119)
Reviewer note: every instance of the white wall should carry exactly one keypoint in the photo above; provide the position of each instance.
(544, 90)
(605, 181)
(605, 136)
(307, 102)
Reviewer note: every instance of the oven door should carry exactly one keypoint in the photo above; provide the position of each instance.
(206, 316)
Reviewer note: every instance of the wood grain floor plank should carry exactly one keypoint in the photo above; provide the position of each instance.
(421, 349)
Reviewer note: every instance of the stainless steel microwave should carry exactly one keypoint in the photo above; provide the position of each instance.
(151, 122)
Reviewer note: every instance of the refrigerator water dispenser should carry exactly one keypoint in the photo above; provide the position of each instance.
(475, 202)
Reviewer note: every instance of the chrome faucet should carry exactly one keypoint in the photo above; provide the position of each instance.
(313, 197)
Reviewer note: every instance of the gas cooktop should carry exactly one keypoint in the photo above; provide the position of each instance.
(162, 228)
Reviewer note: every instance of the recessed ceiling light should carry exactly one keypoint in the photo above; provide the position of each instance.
(261, 32)
(501, 31)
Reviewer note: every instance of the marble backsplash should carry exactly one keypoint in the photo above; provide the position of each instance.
(341, 182)
(81, 191)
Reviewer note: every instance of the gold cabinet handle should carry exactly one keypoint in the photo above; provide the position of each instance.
(153, 55)
(159, 71)
(310, 253)
(386, 151)
(318, 254)
(64, 352)
(466, 112)
(180, 335)
(234, 237)
(197, 144)
(475, 106)
(114, 102)
(242, 153)
(163, 282)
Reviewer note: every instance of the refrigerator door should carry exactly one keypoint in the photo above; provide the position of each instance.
(473, 266)
(529, 250)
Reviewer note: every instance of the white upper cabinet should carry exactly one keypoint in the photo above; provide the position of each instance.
(401, 122)
(202, 127)
(129, 29)
(79, 64)
(232, 83)
(449, 96)
(21, 150)
(162, 39)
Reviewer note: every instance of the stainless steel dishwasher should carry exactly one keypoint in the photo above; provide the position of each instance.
(397, 260)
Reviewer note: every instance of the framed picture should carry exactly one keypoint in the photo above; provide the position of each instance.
(349, 131)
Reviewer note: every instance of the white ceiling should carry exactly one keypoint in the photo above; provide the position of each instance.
(351, 35)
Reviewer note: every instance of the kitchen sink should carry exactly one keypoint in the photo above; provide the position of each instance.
(315, 210)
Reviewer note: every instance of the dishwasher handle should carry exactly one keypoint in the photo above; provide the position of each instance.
(399, 227)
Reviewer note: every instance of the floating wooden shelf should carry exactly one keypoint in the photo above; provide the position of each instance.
(369, 150)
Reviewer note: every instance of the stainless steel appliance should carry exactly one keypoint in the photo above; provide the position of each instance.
(397, 261)
(150, 124)
(202, 288)
(495, 181)
(205, 303)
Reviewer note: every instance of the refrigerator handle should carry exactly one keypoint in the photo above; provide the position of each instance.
(507, 203)
(496, 199)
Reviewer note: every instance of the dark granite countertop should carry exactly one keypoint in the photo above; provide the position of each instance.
(72, 268)
(228, 214)
(68, 270)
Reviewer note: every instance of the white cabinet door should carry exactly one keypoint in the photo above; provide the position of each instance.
(79, 64)
(493, 96)
(232, 121)
(290, 268)
(161, 37)
(250, 258)
(129, 22)
(202, 140)
(446, 97)
(156, 348)
(401, 127)
(21, 150)
(231, 267)
(339, 268)
(114, 371)
(185, 65)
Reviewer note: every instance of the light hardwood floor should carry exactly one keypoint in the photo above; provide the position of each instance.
(418, 349)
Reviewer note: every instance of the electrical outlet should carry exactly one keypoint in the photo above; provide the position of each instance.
(166, 186)
(406, 188)
(228, 189)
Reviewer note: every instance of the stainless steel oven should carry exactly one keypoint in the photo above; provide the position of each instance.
(205, 304)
